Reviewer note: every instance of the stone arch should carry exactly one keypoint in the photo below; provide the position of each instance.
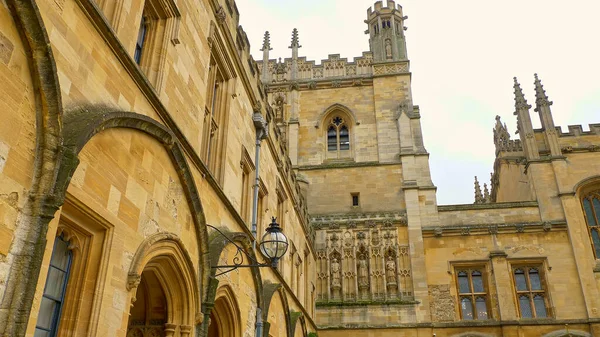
(165, 256)
(286, 311)
(472, 334)
(269, 290)
(218, 244)
(582, 185)
(337, 107)
(41, 204)
(81, 124)
(225, 318)
(565, 333)
(295, 317)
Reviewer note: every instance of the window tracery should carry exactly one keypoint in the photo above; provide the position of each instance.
(591, 209)
(532, 300)
(473, 293)
(338, 137)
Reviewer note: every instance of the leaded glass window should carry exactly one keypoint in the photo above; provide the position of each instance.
(531, 293)
(338, 136)
(54, 291)
(591, 208)
(472, 292)
(139, 44)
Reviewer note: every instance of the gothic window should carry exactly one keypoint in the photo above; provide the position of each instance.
(355, 199)
(139, 44)
(158, 28)
(338, 136)
(246, 188)
(591, 208)
(532, 299)
(54, 291)
(472, 293)
(376, 28)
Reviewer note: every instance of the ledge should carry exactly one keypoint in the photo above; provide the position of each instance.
(465, 324)
(493, 228)
(365, 303)
(498, 205)
(342, 164)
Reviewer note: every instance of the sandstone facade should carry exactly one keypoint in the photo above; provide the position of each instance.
(127, 175)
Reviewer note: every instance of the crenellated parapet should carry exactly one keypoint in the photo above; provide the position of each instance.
(334, 72)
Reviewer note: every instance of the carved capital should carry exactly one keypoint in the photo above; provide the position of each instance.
(133, 281)
(220, 15)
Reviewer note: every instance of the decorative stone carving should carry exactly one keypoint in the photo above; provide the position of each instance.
(547, 226)
(442, 304)
(220, 15)
(438, 231)
(390, 271)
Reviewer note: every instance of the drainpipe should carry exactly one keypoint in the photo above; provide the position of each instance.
(261, 133)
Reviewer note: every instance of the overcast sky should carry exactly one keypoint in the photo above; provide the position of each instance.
(463, 56)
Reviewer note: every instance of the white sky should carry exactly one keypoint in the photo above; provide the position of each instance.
(463, 56)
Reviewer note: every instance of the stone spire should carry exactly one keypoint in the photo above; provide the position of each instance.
(266, 47)
(295, 45)
(478, 195)
(524, 126)
(486, 194)
(501, 134)
(542, 107)
(541, 99)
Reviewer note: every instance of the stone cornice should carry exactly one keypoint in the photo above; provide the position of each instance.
(494, 228)
(314, 84)
(499, 205)
(464, 324)
(352, 220)
(342, 164)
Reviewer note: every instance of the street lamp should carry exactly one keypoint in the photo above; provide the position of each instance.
(274, 243)
(273, 246)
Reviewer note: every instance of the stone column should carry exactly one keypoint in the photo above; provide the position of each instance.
(170, 329)
(185, 330)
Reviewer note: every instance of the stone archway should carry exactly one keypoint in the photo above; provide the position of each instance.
(225, 315)
(164, 302)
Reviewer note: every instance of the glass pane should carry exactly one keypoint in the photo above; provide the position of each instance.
(331, 139)
(540, 306)
(47, 308)
(60, 254)
(344, 139)
(534, 279)
(525, 307)
(596, 241)
(481, 308)
(40, 333)
(55, 283)
(596, 203)
(466, 308)
(477, 282)
(520, 279)
(587, 206)
(463, 283)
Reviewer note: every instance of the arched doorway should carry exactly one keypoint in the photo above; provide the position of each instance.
(148, 315)
(225, 316)
(163, 289)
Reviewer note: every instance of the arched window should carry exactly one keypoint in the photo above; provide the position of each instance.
(139, 44)
(338, 137)
(472, 294)
(54, 291)
(591, 208)
(531, 294)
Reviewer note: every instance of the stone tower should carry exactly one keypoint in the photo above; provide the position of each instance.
(386, 32)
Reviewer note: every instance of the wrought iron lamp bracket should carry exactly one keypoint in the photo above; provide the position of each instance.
(238, 258)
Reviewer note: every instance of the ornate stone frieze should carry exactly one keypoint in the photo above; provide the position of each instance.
(487, 229)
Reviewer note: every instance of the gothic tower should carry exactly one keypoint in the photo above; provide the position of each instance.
(386, 32)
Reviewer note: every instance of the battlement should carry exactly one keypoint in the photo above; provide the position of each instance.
(577, 130)
(379, 8)
(332, 67)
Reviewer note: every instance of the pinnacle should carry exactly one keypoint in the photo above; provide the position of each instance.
(478, 195)
(266, 42)
(520, 101)
(541, 99)
(295, 42)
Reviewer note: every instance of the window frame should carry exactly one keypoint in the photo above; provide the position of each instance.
(540, 266)
(338, 128)
(57, 310)
(590, 196)
(473, 295)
